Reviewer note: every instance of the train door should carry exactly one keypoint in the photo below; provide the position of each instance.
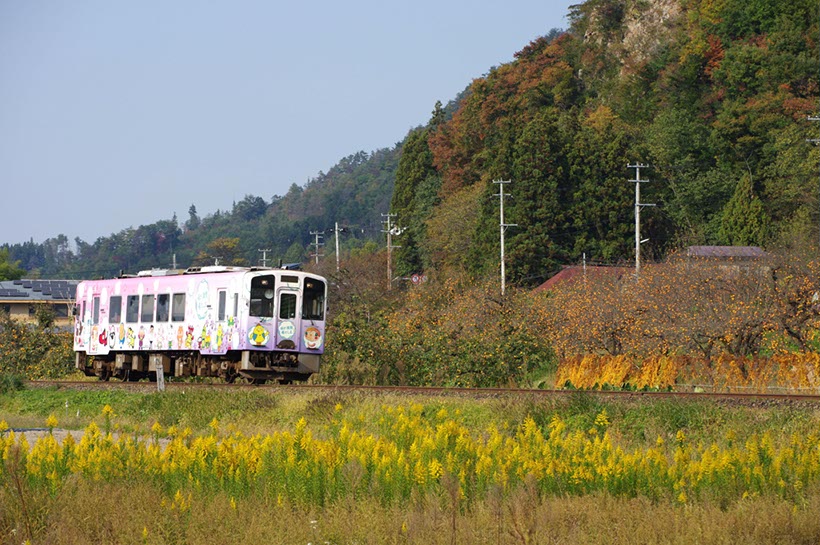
(219, 344)
(287, 316)
(94, 346)
(79, 327)
(287, 325)
(99, 323)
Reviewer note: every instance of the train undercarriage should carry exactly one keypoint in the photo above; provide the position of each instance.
(254, 366)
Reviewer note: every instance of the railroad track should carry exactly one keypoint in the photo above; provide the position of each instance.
(750, 398)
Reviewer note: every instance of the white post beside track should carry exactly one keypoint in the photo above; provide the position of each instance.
(160, 378)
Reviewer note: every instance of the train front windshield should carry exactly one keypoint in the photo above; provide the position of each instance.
(262, 293)
(313, 299)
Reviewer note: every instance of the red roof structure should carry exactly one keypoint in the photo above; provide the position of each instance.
(721, 255)
(572, 273)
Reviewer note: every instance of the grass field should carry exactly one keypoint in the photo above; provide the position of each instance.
(307, 466)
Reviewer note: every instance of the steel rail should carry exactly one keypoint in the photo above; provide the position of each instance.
(432, 390)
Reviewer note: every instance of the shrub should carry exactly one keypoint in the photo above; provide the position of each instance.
(33, 352)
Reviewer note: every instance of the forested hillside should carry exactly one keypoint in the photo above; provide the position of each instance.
(712, 95)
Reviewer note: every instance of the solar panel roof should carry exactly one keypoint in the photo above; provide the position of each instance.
(38, 290)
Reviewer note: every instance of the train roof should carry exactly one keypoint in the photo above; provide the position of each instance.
(210, 269)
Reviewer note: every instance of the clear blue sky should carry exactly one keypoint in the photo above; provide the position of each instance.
(115, 114)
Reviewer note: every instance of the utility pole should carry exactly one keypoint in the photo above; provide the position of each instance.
(391, 229)
(264, 256)
(503, 227)
(638, 205)
(316, 236)
(336, 231)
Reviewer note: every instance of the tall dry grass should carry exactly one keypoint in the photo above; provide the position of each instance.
(87, 512)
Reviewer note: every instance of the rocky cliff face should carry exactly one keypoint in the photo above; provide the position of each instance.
(647, 24)
(631, 30)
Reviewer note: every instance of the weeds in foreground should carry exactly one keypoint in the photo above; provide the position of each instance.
(414, 473)
(410, 452)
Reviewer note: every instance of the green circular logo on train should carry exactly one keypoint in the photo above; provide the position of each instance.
(258, 336)
(287, 330)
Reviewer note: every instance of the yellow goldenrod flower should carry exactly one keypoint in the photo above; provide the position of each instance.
(51, 421)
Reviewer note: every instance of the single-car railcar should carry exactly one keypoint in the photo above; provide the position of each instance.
(257, 323)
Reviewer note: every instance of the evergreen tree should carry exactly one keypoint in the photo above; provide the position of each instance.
(193, 222)
(538, 190)
(414, 195)
(295, 253)
(744, 221)
(601, 206)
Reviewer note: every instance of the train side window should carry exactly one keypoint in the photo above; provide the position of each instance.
(287, 306)
(262, 294)
(178, 308)
(115, 309)
(313, 299)
(96, 312)
(163, 307)
(147, 314)
(222, 296)
(132, 308)
(235, 305)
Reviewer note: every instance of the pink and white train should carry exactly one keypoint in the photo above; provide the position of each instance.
(257, 323)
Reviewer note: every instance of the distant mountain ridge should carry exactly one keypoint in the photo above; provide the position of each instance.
(353, 193)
